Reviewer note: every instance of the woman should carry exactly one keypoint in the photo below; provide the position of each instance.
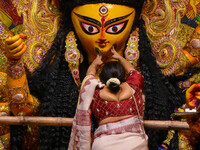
(117, 105)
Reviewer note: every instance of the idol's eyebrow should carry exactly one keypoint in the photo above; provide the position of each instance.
(116, 19)
(89, 19)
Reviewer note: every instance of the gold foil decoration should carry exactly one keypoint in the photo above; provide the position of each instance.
(41, 22)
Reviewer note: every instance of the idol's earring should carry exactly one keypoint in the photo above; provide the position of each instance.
(132, 53)
(72, 56)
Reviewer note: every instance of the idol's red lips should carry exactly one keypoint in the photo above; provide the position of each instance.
(102, 44)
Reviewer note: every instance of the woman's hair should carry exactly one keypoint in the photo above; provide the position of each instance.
(113, 69)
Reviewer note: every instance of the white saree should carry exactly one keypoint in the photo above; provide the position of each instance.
(126, 134)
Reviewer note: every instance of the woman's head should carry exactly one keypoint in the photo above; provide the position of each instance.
(110, 71)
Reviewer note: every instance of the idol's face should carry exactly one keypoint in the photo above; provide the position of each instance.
(100, 26)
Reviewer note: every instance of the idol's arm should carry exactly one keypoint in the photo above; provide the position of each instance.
(19, 97)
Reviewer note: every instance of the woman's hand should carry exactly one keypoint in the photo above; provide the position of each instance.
(93, 67)
(15, 46)
(115, 55)
(193, 96)
(97, 61)
(126, 64)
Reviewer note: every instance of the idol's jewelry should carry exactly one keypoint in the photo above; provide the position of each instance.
(132, 53)
(18, 97)
(72, 56)
(15, 69)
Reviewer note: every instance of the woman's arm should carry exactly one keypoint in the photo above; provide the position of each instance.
(93, 66)
(134, 79)
(125, 63)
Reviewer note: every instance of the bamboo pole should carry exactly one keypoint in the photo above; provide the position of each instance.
(166, 125)
(61, 121)
(43, 121)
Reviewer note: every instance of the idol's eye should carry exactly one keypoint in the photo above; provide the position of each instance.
(117, 28)
(89, 29)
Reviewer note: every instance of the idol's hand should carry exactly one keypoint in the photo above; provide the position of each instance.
(193, 96)
(15, 47)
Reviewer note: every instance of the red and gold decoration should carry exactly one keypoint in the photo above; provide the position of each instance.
(40, 25)
(169, 37)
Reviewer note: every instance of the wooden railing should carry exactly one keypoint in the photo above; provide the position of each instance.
(61, 121)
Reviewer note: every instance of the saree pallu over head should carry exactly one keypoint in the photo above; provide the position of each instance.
(81, 127)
